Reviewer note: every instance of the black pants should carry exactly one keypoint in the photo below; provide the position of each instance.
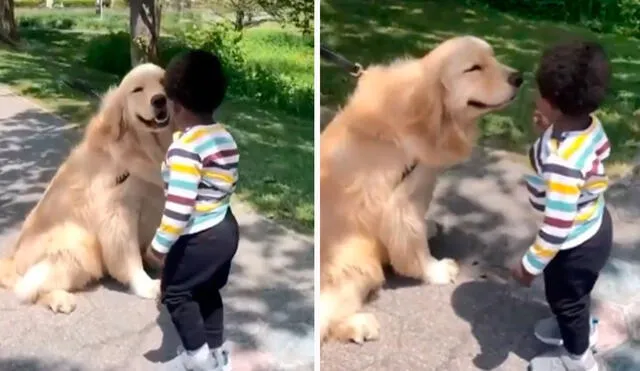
(569, 279)
(196, 268)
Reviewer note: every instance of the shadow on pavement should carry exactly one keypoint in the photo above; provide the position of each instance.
(499, 322)
(268, 300)
(170, 340)
(34, 364)
(32, 145)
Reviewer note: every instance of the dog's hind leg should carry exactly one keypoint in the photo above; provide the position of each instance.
(49, 281)
(67, 261)
(344, 291)
(59, 301)
(29, 286)
(350, 324)
(8, 274)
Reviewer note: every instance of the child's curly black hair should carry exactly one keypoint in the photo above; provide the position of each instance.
(574, 77)
(195, 80)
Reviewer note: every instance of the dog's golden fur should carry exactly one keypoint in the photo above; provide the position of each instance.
(86, 225)
(412, 111)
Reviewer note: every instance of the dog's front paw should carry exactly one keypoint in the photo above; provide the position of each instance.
(145, 287)
(440, 272)
(358, 328)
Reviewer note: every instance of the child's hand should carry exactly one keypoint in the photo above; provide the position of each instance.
(520, 274)
(154, 258)
(540, 123)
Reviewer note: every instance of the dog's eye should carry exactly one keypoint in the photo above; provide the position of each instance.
(475, 67)
(137, 90)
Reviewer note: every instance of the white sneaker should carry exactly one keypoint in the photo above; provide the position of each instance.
(548, 332)
(559, 360)
(189, 361)
(222, 356)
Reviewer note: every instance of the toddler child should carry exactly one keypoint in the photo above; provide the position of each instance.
(198, 233)
(575, 238)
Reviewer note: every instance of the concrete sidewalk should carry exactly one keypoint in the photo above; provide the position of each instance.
(483, 321)
(268, 301)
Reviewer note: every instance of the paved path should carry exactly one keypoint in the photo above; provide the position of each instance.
(484, 322)
(269, 298)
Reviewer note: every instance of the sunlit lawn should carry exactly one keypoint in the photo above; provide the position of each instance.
(276, 147)
(374, 32)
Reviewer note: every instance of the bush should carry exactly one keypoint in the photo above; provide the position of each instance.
(109, 53)
(55, 23)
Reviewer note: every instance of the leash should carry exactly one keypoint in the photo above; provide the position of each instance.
(82, 87)
(354, 69)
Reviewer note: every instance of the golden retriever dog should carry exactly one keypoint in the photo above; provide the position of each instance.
(103, 205)
(379, 159)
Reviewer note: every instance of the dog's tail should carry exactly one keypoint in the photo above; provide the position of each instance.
(28, 287)
(8, 273)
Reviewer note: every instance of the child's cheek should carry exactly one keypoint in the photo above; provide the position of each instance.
(545, 108)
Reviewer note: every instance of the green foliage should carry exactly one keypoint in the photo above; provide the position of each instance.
(269, 64)
(66, 3)
(246, 79)
(621, 16)
(56, 23)
(28, 3)
(219, 37)
(260, 81)
(109, 53)
(296, 12)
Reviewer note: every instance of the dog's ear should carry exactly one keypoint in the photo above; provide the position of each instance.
(427, 114)
(433, 134)
(109, 123)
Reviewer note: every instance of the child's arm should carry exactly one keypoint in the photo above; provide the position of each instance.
(561, 208)
(184, 177)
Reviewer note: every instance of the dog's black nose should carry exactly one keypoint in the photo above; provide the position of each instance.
(158, 101)
(515, 79)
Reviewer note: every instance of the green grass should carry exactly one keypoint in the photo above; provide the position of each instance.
(381, 31)
(268, 45)
(117, 19)
(278, 61)
(276, 147)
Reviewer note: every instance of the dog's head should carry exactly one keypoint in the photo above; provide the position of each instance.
(455, 84)
(472, 81)
(144, 100)
(138, 104)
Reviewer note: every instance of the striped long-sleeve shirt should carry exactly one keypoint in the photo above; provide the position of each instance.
(568, 188)
(200, 173)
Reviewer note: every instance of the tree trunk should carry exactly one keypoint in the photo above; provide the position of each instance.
(239, 23)
(144, 27)
(8, 27)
